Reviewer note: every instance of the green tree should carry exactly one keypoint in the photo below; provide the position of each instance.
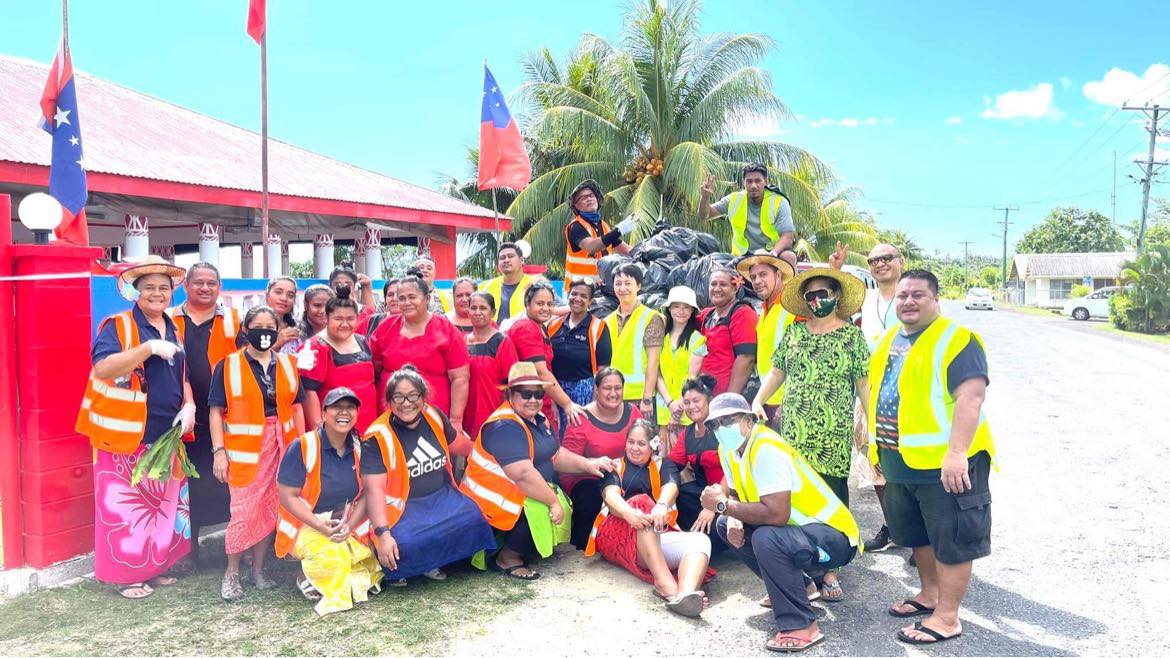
(989, 276)
(1072, 230)
(1148, 296)
(1157, 225)
(911, 251)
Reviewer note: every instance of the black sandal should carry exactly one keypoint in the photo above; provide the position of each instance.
(938, 637)
(919, 609)
(511, 572)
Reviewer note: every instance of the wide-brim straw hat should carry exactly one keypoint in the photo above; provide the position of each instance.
(766, 257)
(852, 292)
(523, 373)
(152, 264)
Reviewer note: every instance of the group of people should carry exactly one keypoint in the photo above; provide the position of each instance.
(376, 444)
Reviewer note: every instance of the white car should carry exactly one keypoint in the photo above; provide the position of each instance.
(1093, 305)
(979, 298)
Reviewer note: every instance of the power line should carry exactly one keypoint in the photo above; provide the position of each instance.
(984, 206)
(1150, 168)
(1003, 263)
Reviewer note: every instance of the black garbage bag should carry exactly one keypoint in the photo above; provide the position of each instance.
(656, 277)
(649, 255)
(605, 268)
(654, 300)
(603, 305)
(685, 243)
(696, 274)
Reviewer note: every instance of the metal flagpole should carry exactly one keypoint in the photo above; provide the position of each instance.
(65, 23)
(264, 153)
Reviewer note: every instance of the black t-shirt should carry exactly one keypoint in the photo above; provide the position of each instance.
(505, 302)
(339, 483)
(570, 346)
(506, 441)
(577, 233)
(196, 338)
(266, 379)
(636, 479)
(424, 456)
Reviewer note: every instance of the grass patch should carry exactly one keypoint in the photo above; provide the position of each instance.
(190, 618)
(1162, 339)
(1105, 326)
(1030, 310)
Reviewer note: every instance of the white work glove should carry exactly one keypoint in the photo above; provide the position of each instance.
(626, 226)
(164, 348)
(306, 358)
(186, 417)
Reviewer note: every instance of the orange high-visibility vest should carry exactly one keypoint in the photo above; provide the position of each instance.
(244, 419)
(485, 482)
(225, 326)
(394, 459)
(578, 262)
(290, 526)
(113, 411)
(596, 326)
(655, 492)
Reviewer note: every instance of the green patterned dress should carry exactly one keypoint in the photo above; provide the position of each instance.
(820, 371)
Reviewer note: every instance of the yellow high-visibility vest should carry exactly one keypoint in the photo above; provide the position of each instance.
(737, 214)
(629, 355)
(926, 407)
(495, 287)
(812, 499)
(770, 330)
(674, 366)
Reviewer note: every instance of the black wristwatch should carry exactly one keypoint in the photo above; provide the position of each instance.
(647, 400)
(721, 507)
(381, 530)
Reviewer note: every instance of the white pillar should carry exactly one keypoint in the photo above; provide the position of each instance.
(284, 269)
(359, 254)
(247, 265)
(137, 237)
(374, 253)
(323, 255)
(209, 243)
(272, 255)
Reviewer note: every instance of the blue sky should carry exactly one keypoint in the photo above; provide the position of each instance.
(938, 111)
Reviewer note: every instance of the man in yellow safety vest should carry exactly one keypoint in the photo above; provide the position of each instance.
(768, 274)
(508, 288)
(778, 516)
(760, 216)
(930, 438)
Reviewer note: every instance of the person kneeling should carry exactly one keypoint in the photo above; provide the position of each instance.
(636, 528)
(421, 521)
(781, 519)
(318, 479)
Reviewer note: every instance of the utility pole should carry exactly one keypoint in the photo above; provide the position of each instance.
(1150, 166)
(966, 261)
(1003, 264)
(1113, 197)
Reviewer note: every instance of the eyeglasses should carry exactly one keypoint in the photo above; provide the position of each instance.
(813, 295)
(412, 398)
(726, 421)
(884, 258)
(529, 395)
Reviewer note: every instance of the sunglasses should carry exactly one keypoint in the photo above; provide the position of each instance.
(884, 258)
(813, 295)
(529, 395)
(726, 421)
(411, 398)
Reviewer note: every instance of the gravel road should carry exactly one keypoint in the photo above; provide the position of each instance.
(1082, 424)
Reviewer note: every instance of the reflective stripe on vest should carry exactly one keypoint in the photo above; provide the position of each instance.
(495, 287)
(737, 214)
(225, 326)
(579, 263)
(629, 354)
(484, 482)
(770, 330)
(674, 366)
(113, 411)
(394, 459)
(655, 493)
(926, 407)
(289, 526)
(596, 326)
(811, 502)
(244, 418)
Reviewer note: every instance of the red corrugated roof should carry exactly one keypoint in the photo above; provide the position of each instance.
(128, 133)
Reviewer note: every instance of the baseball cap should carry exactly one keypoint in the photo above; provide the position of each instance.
(338, 394)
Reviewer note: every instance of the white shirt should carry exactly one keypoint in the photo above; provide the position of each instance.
(773, 471)
(877, 316)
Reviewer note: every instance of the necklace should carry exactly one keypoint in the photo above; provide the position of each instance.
(877, 303)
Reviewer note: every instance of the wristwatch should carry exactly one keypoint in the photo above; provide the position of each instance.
(381, 530)
(721, 507)
(647, 400)
(218, 449)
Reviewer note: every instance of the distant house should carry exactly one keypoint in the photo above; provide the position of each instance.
(1046, 280)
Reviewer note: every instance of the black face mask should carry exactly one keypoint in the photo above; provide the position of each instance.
(262, 339)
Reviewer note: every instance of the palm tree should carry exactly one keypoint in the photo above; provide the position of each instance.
(911, 251)
(1148, 278)
(649, 118)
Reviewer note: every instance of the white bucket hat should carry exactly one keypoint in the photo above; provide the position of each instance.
(682, 295)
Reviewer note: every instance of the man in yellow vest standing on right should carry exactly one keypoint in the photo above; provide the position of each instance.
(508, 289)
(760, 216)
(930, 438)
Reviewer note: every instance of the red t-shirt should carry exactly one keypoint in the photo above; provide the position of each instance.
(333, 370)
(727, 338)
(702, 454)
(593, 438)
(532, 344)
(363, 318)
(490, 363)
(440, 348)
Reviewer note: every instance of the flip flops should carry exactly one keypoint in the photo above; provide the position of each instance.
(135, 591)
(919, 609)
(511, 572)
(687, 605)
(802, 643)
(307, 590)
(938, 637)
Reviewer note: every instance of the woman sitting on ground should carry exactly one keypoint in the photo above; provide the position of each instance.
(636, 528)
(321, 510)
(420, 520)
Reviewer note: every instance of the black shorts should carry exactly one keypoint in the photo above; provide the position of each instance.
(957, 526)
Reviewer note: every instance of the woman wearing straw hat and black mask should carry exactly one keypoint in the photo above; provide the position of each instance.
(823, 364)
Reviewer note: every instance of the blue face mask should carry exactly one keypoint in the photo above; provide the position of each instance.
(590, 216)
(729, 438)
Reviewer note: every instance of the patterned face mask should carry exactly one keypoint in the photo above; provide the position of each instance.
(823, 307)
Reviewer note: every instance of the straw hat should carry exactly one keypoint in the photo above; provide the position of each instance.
(852, 292)
(523, 373)
(766, 257)
(152, 264)
(682, 295)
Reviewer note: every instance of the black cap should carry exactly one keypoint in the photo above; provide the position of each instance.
(338, 394)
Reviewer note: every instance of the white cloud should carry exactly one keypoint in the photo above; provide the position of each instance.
(851, 122)
(953, 121)
(1034, 103)
(1120, 86)
(758, 126)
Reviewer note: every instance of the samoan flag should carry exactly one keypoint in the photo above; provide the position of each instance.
(67, 170)
(503, 162)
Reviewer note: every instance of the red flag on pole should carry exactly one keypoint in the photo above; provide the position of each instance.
(256, 19)
(503, 162)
